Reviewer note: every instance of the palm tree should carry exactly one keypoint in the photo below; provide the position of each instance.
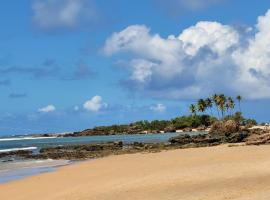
(221, 101)
(231, 104)
(239, 98)
(214, 99)
(209, 104)
(201, 105)
(227, 106)
(192, 109)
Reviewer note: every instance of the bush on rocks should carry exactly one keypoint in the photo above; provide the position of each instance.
(224, 128)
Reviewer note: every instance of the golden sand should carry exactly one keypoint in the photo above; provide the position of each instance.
(214, 173)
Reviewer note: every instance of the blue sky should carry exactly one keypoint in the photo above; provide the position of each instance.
(72, 64)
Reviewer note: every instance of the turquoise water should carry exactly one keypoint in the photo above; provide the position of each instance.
(13, 143)
(17, 169)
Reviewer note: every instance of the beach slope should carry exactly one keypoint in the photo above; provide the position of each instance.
(212, 173)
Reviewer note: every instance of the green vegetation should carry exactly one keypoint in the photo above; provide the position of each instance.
(237, 117)
(202, 116)
(192, 121)
(225, 106)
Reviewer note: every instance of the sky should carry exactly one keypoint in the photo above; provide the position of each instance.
(68, 65)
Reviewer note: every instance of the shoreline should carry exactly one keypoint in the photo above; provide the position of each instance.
(20, 169)
(219, 172)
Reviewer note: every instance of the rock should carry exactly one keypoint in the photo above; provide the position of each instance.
(258, 139)
(258, 131)
(74, 152)
(198, 140)
(201, 128)
(187, 129)
(224, 129)
(81, 152)
(146, 146)
(20, 153)
(237, 137)
(170, 129)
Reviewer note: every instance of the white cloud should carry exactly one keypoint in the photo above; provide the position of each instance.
(206, 58)
(214, 35)
(51, 14)
(142, 70)
(158, 108)
(94, 104)
(47, 109)
(254, 61)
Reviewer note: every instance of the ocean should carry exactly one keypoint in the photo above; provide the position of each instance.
(16, 169)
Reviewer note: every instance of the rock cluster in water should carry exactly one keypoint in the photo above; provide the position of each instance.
(220, 133)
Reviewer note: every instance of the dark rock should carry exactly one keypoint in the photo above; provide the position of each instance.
(187, 129)
(170, 129)
(20, 153)
(237, 137)
(198, 139)
(74, 152)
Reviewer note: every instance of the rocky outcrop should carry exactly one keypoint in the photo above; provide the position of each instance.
(224, 128)
(258, 139)
(20, 153)
(198, 140)
(74, 152)
(88, 151)
(237, 137)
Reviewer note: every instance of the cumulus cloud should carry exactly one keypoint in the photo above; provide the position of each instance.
(158, 108)
(217, 37)
(47, 109)
(94, 104)
(142, 70)
(205, 58)
(55, 14)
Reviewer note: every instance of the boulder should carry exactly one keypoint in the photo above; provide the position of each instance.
(224, 128)
(237, 137)
(258, 139)
(170, 129)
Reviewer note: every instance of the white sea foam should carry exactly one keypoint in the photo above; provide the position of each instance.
(25, 138)
(17, 149)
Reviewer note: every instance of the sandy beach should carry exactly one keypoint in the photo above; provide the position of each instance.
(221, 172)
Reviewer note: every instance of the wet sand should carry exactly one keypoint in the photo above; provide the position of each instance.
(213, 173)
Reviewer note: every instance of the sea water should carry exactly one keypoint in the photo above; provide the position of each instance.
(15, 169)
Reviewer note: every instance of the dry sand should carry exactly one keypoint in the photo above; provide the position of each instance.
(222, 172)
